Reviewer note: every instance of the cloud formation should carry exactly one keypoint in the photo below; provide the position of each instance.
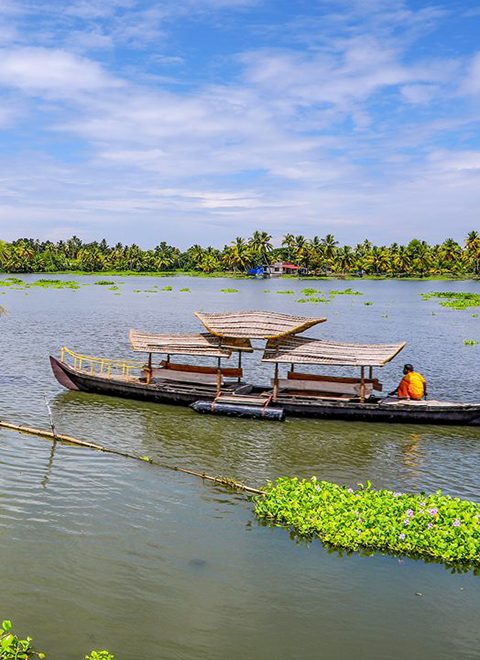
(198, 121)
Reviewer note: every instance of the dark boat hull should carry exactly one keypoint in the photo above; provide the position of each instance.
(392, 411)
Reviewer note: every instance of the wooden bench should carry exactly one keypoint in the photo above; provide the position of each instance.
(188, 373)
(327, 385)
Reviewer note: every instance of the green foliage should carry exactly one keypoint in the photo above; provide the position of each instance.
(470, 342)
(368, 303)
(99, 655)
(104, 282)
(185, 289)
(229, 290)
(310, 292)
(287, 292)
(167, 288)
(56, 284)
(345, 292)
(14, 648)
(431, 526)
(313, 299)
(453, 299)
(113, 288)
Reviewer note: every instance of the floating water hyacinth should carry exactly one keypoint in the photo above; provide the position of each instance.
(432, 526)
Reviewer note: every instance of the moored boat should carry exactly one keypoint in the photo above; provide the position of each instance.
(223, 390)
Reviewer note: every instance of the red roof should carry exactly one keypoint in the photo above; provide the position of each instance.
(289, 265)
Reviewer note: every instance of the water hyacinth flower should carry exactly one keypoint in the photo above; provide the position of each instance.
(317, 488)
(397, 494)
(406, 521)
(430, 525)
(401, 536)
(456, 522)
(349, 490)
(410, 513)
(422, 504)
(433, 511)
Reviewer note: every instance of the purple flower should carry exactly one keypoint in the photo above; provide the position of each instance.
(406, 521)
(430, 525)
(422, 503)
(433, 512)
(401, 537)
(410, 513)
(397, 494)
(456, 522)
(349, 490)
(317, 488)
(359, 531)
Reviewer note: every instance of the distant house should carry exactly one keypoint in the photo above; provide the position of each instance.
(280, 268)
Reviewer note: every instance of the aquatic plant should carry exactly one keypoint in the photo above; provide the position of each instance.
(474, 316)
(454, 299)
(104, 282)
(432, 526)
(310, 292)
(470, 342)
(167, 288)
(313, 299)
(229, 290)
(99, 655)
(2, 310)
(287, 292)
(113, 288)
(368, 303)
(266, 291)
(345, 292)
(14, 648)
(150, 291)
(56, 284)
(184, 289)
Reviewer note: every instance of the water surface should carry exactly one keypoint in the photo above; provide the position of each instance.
(98, 551)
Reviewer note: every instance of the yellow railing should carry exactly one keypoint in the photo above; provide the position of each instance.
(98, 366)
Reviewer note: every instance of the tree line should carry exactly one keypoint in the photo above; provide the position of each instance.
(318, 256)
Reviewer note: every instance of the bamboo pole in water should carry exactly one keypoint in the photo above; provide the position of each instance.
(42, 433)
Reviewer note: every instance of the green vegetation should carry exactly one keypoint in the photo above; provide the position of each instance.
(104, 282)
(470, 342)
(185, 289)
(345, 292)
(113, 288)
(433, 526)
(321, 257)
(167, 288)
(288, 292)
(229, 290)
(313, 299)
(453, 299)
(55, 284)
(310, 292)
(368, 303)
(14, 648)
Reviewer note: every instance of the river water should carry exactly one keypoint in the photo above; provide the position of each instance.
(97, 551)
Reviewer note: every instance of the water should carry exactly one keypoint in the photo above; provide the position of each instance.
(98, 551)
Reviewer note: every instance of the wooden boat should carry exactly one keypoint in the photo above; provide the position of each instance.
(222, 390)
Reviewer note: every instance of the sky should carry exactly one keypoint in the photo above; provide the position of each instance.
(196, 121)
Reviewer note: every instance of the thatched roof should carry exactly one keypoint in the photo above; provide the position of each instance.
(304, 350)
(185, 344)
(256, 325)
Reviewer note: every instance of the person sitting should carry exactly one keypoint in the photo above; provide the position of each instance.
(412, 386)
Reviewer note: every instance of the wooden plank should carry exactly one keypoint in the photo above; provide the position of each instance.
(351, 389)
(187, 377)
(229, 372)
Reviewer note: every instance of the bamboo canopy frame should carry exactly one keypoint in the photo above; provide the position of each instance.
(200, 344)
(306, 350)
(256, 324)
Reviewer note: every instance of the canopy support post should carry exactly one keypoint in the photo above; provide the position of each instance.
(168, 357)
(219, 377)
(275, 384)
(292, 366)
(149, 369)
(362, 385)
(370, 373)
(239, 379)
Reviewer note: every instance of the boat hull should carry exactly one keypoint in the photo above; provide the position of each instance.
(390, 411)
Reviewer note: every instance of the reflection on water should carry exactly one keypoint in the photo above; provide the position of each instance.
(93, 546)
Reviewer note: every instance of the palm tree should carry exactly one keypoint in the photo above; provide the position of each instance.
(261, 246)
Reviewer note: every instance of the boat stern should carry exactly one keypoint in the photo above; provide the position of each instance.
(61, 374)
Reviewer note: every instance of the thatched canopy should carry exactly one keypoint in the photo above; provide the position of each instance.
(255, 325)
(185, 344)
(304, 350)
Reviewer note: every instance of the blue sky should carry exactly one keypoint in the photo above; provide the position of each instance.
(195, 121)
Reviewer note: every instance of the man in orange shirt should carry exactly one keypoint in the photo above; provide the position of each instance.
(412, 386)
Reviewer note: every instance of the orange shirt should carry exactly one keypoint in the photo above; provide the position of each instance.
(412, 386)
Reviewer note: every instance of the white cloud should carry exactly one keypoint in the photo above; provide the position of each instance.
(57, 71)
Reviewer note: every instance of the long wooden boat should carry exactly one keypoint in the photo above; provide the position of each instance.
(220, 390)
